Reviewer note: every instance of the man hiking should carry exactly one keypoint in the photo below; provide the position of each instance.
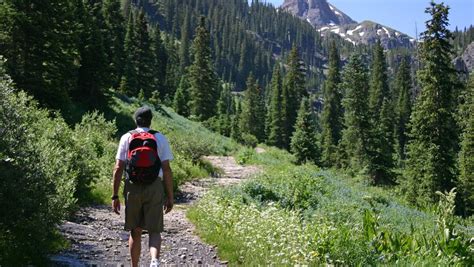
(144, 155)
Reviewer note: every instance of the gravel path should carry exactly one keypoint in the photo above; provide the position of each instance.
(98, 239)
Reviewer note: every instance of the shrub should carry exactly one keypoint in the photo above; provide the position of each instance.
(249, 140)
(36, 187)
(45, 168)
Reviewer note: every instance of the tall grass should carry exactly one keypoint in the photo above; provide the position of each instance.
(303, 215)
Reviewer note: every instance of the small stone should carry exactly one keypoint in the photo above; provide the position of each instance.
(199, 261)
(214, 257)
(183, 257)
(224, 262)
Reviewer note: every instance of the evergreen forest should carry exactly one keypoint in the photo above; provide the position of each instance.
(369, 152)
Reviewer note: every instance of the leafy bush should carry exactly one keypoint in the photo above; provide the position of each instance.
(249, 140)
(95, 149)
(32, 195)
(45, 168)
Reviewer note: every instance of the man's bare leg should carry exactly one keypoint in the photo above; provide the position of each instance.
(155, 245)
(135, 245)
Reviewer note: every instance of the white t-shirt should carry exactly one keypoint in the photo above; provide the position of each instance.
(164, 150)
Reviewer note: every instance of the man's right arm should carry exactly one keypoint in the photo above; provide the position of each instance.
(118, 172)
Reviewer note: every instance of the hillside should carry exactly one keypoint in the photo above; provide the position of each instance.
(246, 39)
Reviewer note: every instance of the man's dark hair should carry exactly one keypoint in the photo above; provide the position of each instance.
(143, 117)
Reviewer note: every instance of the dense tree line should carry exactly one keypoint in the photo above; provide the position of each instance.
(249, 72)
(245, 37)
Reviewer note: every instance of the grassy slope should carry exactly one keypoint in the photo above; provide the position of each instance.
(301, 214)
(189, 141)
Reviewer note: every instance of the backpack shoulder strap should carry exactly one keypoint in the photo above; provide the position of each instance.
(133, 132)
(153, 132)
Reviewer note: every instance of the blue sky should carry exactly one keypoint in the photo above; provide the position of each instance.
(401, 14)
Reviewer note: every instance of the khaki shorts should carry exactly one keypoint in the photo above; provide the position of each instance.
(144, 206)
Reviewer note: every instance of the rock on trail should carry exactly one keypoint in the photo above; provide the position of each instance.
(97, 237)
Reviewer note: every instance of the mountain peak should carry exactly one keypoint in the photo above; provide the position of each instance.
(317, 12)
(326, 18)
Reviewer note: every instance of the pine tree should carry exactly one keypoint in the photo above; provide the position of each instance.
(235, 132)
(181, 97)
(115, 35)
(430, 164)
(40, 48)
(403, 109)
(303, 142)
(276, 135)
(224, 110)
(129, 80)
(253, 110)
(184, 44)
(160, 61)
(285, 113)
(380, 144)
(378, 82)
(295, 85)
(466, 156)
(353, 148)
(332, 117)
(202, 77)
(173, 76)
(144, 55)
(93, 61)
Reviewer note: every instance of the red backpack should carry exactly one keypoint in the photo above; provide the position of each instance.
(143, 163)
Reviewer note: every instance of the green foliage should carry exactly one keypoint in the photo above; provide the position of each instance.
(466, 156)
(115, 36)
(276, 133)
(301, 215)
(46, 167)
(249, 140)
(93, 59)
(235, 132)
(38, 40)
(203, 81)
(353, 149)
(129, 79)
(144, 59)
(403, 108)
(252, 120)
(93, 137)
(159, 63)
(225, 109)
(381, 140)
(294, 84)
(184, 44)
(378, 82)
(332, 116)
(304, 144)
(447, 246)
(181, 97)
(431, 151)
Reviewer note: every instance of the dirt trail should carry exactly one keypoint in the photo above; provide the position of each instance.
(98, 239)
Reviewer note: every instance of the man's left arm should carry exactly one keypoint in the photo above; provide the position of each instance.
(168, 181)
